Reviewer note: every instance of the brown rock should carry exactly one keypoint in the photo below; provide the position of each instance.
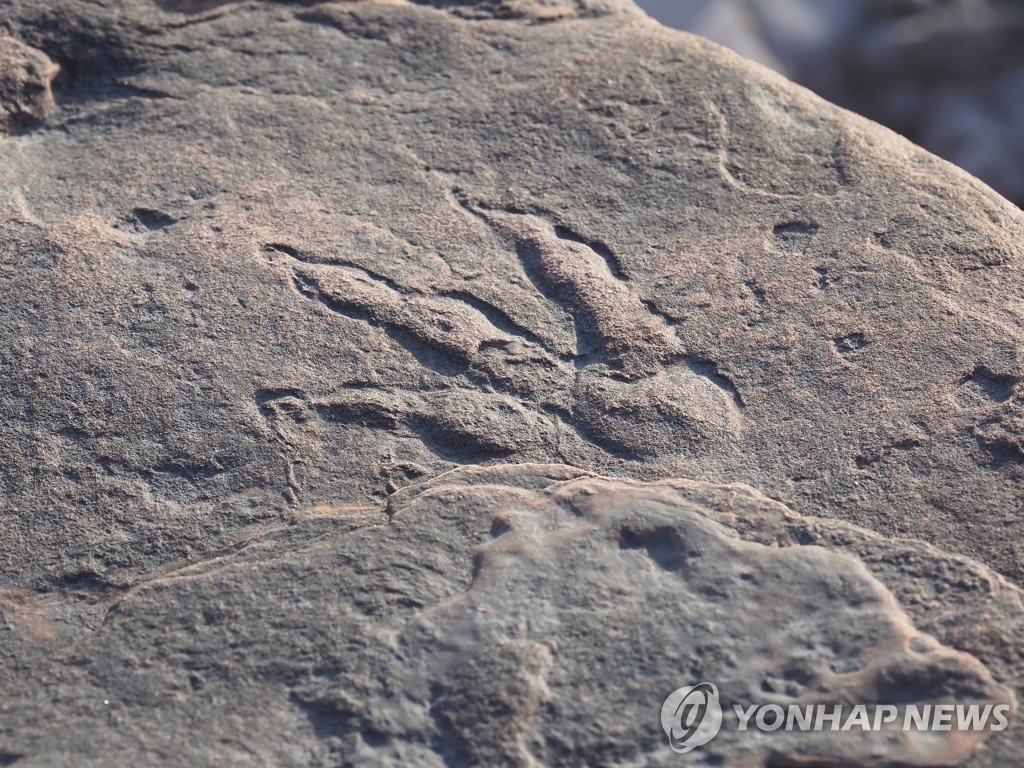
(25, 77)
(274, 257)
(525, 615)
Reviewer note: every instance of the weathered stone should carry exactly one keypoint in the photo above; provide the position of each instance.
(25, 77)
(270, 258)
(520, 615)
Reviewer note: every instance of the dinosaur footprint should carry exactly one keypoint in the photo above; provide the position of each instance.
(627, 386)
(636, 391)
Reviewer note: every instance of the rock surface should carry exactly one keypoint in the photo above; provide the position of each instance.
(948, 74)
(269, 256)
(518, 615)
(25, 77)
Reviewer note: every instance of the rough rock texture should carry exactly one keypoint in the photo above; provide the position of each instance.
(268, 256)
(519, 615)
(25, 77)
(948, 74)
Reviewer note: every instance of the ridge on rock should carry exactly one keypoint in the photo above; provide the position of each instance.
(522, 615)
(529, 10)
(534, 10)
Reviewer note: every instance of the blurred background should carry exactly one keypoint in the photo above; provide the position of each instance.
(947, 74)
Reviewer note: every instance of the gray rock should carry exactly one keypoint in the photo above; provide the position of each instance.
(518, 615)
(267, 258)
(25, 77)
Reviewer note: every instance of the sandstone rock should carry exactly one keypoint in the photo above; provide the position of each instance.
(25, 77)
(251, 276)
(519, 615)
(268, 257)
